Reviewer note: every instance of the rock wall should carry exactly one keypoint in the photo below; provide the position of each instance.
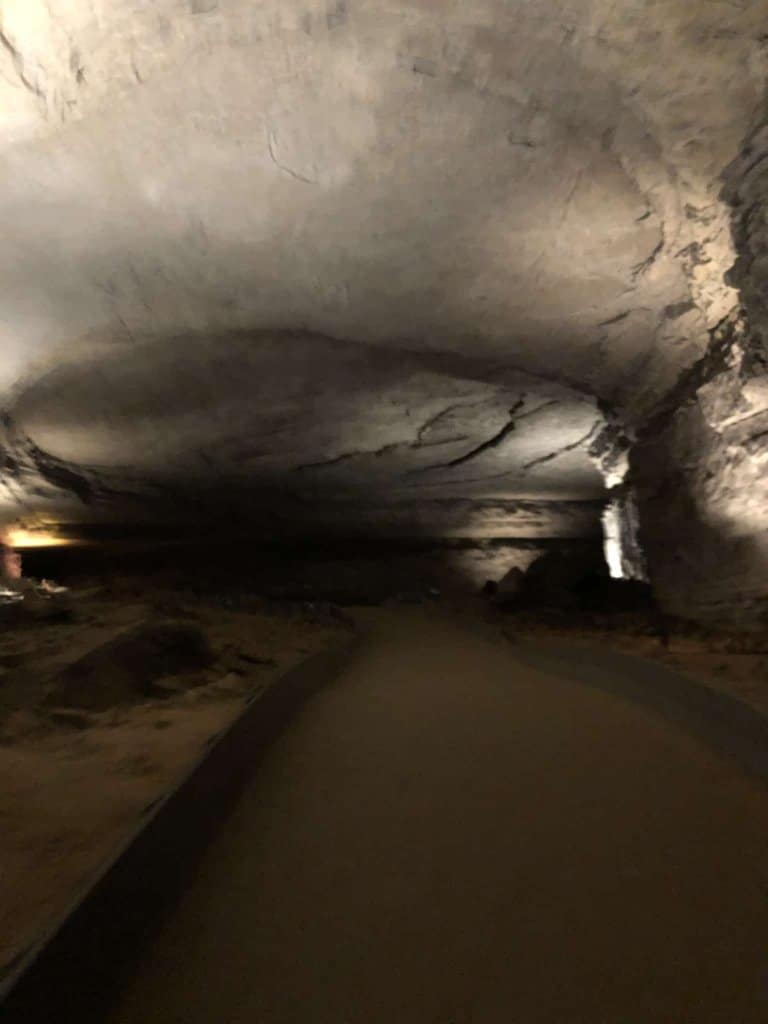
(700, 465)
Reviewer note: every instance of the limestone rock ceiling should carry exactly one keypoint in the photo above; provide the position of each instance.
(387, 252)
(218, 422)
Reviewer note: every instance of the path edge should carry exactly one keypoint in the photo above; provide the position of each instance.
(73, 971)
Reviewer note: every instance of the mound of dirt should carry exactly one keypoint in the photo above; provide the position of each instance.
(127, 668)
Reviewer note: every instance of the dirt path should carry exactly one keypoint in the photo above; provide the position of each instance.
(451, 835)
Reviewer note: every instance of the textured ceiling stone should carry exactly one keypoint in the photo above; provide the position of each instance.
(385, 251)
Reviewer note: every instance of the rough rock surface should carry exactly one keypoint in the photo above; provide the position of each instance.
(315, 424)
(334, 263)
(700, 467)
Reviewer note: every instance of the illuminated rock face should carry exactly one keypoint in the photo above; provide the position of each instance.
(375, 265)
(702, 466)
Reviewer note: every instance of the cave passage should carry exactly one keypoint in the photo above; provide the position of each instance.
(443, 321)
(452, 834)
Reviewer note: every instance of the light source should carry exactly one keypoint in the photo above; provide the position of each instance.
(21, 537)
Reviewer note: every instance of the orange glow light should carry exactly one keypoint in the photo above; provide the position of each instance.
(21, 538)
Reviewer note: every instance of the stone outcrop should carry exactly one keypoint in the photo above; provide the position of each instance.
(701, 481)
(699, 467)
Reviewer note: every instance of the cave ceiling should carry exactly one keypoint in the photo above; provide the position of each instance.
(391, 260)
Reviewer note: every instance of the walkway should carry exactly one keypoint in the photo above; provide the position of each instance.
(450, 835)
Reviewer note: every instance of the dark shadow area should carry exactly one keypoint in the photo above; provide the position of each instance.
(352, 571)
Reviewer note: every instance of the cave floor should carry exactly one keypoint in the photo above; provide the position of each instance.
(118, 756)
(457, 830)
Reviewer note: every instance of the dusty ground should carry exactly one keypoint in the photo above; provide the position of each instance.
(75, 782)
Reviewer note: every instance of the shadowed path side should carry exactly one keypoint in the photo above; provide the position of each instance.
(450, 835)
